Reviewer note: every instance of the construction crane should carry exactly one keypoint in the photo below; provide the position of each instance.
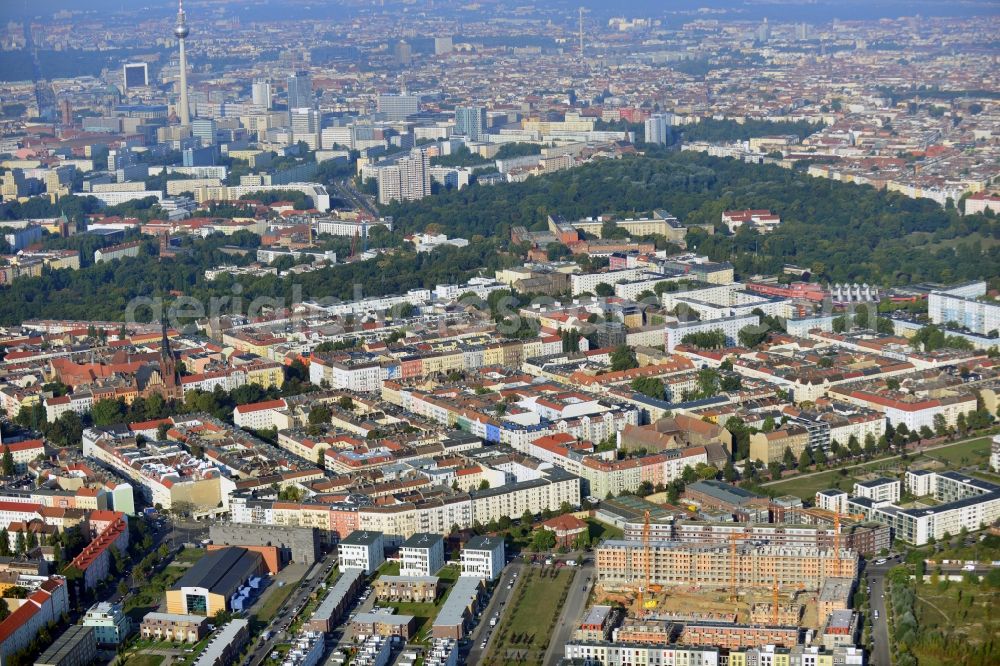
(642, 602)
(774, 600)
(836, 536)
(733, 538)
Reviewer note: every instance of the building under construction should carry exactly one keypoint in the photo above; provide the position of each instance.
(624, 564)
(861, 538)
(717, 634)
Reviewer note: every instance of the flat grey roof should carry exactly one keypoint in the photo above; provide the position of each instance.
(338, 592)
(222, 639)
(483, 543)
(423, 540)
(174, 617)
(384, 618)
(361, 538)
(462, 594)
(69, 642)
(874, 483)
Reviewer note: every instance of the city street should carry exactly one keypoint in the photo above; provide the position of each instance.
(880, 655)
(497, 604)
(572, 610)
(286, 614)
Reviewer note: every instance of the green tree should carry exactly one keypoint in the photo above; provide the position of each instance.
(543, 540)
(8, 462)
(623, 358)
(108, 412)
(320, 414)
(604, 289)
(788, 459)
(651, 386)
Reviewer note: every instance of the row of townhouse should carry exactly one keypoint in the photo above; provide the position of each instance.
(604, 419)
(399, 521)
(366, 372)
(95, 560)
(607, 653)
(914, 412)
(602, 476)
(259, 371)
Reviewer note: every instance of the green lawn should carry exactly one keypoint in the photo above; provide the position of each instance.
(191, 555)
(975, 452)
(144, 660)
(269, 608)
(807, 486)
(956, 614)
(152, 593)
(389, 569)
(599, 531)
(530, 619)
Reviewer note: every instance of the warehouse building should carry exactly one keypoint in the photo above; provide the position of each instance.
(213, 581)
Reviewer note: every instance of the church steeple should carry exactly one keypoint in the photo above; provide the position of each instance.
(168, 363)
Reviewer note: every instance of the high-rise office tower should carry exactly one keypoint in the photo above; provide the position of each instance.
(658, 128)
(397, 107)
(470, 122)
(181, 31)
(300, 92)
(305, 126)
(408, 179)
(443, 45)
(404, 53)
(764, 31)
(260, 93)
(135, 75)
(204, 129)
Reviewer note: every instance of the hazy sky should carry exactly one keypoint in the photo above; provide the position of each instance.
(784, 10)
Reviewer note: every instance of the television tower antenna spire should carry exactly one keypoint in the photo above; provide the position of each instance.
(581, 31)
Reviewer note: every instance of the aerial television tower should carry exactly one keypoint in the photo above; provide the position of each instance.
(181, 31)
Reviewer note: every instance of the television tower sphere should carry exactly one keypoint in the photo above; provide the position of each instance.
(181, 30)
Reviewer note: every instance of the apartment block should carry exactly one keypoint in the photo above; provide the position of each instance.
(362, 549)
(421, 555)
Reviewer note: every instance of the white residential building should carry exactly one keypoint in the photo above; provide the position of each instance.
(965, 305)
(483, 557)
(421, 555)
(832, 500)
(258, 415)
(730, 327)
(363, 550)
(881, 489)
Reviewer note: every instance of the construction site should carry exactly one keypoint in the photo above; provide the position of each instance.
(741, 580)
